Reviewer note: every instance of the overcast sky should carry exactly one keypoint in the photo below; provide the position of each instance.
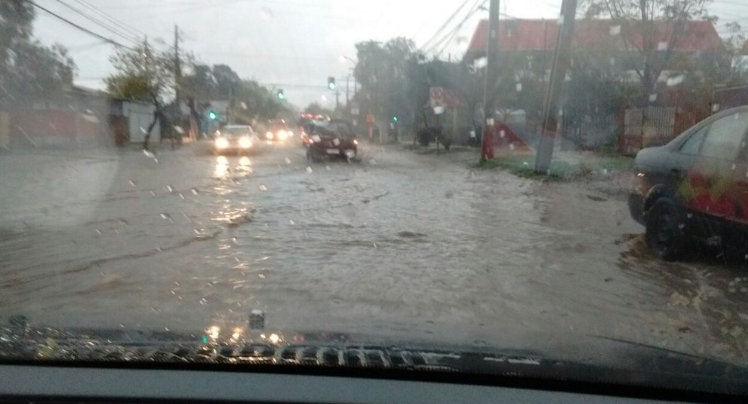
(289, 44)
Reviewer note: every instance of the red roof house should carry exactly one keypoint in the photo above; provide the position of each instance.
(540, 35)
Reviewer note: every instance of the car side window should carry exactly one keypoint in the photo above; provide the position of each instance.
(692, 145)
(726, 136)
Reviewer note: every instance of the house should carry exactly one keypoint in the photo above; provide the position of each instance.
(613, 50)
(620, 42)
(77, 116)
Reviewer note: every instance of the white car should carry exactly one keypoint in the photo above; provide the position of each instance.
(235, 139)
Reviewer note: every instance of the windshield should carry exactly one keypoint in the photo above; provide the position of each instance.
(232, 131)
(501, 176)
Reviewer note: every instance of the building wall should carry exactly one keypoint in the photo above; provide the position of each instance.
(52, 127)
(4, 129)
(140, 116)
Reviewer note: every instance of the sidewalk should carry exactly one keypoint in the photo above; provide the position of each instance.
(611, 175)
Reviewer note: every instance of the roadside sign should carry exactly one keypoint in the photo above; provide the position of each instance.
(370, 118)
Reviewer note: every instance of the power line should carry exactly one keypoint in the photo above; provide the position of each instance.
(447, 38)
(451, 34)
(97, 22)
(86, 30)
(109, 17)
(451, 17)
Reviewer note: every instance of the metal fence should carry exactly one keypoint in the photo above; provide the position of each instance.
(645, 127)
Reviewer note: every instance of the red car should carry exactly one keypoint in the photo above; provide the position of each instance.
(332, 139)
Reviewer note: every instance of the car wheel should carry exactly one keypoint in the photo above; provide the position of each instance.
(311, 156)
(664, 232)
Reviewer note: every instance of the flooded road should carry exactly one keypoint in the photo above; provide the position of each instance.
(402, 244)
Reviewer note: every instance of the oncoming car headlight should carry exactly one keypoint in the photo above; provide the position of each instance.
(245, 142)
(269, 135)
(282, 135)
(222, 143)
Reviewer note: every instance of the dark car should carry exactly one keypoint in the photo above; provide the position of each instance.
(695, 188)
(332, 139)
(306, 122)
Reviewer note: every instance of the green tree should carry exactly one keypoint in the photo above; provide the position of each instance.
(316, 109)
(143, 74)
(382, 72)
(28, 70)
(642, 23)
(733, 63)
(253, 101)
(248, 99)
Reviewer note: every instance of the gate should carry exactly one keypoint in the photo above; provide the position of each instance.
(645, 127)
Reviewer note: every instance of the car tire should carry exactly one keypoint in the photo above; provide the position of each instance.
(664, 230)
(312, 156)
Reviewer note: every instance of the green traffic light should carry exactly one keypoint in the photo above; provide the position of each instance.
(212, 115)
(394, 119)
(280, 95)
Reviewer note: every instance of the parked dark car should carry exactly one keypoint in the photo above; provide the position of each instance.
(695, 188)
(333, 139)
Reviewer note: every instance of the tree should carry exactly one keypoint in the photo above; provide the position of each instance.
(382, 72)
(253, 101)
(643, 23)
(248, 99)
(733, 64)
(316, 109)
(143, 74)
(227, 81)
(28, 70)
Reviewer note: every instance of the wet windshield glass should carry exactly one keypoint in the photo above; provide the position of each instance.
(236, 131)
(501, 176)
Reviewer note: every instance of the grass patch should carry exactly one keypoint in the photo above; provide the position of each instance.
(566, 167)
(524, 166)
(442, 150)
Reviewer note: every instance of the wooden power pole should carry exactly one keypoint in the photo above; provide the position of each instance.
(491, 72)
(177, 69)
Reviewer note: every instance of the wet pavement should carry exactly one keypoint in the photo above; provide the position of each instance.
(398, 244)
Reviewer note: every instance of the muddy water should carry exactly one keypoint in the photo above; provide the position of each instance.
(398, 244)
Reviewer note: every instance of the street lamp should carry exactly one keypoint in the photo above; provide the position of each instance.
(343, 58)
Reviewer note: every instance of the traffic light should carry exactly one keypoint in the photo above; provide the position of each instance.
(394, 119)
(331, 83)
(281, 96)
(212, 115)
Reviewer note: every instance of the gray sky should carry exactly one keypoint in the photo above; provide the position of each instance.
(293, 44)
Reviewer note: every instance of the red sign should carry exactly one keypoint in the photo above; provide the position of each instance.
(370, 118)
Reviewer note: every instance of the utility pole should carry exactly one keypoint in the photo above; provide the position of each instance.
(146, 56)
(552, 105)
(491, 72)
(177, 70)
(346, 90)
